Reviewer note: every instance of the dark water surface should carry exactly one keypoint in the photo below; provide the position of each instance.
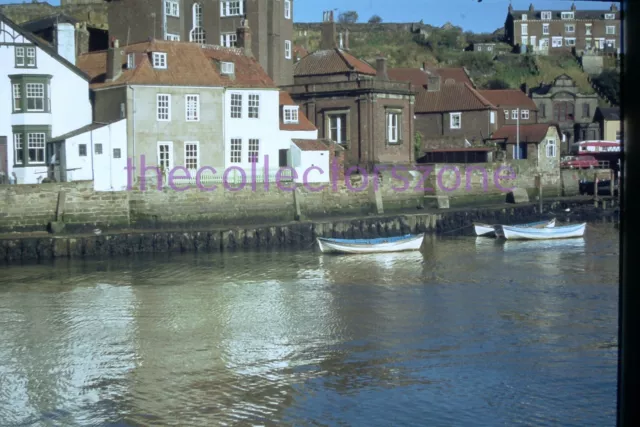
(469, 332)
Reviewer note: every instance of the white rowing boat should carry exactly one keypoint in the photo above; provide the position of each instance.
(409, 242)
(528, 233)
(538, 224)
(495, 230)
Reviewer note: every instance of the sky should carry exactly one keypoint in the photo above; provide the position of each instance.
(486, 16)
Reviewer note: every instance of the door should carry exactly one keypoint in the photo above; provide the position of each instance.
(533, 42)
(165, 158)
(284, 158)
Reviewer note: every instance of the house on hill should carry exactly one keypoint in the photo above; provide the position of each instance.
(514, 106)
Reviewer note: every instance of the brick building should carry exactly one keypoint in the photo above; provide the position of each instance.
(354, 104)
(557, 31)
(514, 106)
(212, 22)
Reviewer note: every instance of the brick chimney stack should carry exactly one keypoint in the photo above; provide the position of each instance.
(613, 7)
(531, 10)
(346, 39)
(381, 69)
(573, 7)
(114, 60)
(243, 41)
(328, 40)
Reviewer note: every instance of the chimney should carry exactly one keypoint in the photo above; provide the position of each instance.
(341, 41)
(114, 60)
(613, 7)
(346, 39)
(525, 88)
(510, 8)
(328, 32)
(381, 69)
(433, 84)
(82, 38)
(66, 41)
(573, 7)
(243, 41)
(530, 7)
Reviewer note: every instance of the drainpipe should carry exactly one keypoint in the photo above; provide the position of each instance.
(133, 129)
(516, 152)
(93, 173)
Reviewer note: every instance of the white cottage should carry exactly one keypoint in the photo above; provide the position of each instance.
(42, 95)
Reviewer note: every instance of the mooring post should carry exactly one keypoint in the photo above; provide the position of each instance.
(539, 185)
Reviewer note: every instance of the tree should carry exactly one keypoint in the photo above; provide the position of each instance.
(609, 83)
(497, 84)
(349, 17)
(375, 19)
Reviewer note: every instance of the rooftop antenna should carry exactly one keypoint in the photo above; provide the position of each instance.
(128, 34)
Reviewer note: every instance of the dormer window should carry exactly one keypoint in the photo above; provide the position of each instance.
(131, 61)
(545, 15)
(227, 68)
(609, 16)
(290, 114)
(524, 16)
(566, 15)
(159, 60)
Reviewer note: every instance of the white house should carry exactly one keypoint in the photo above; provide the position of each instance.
(42, 95)
(312, 160)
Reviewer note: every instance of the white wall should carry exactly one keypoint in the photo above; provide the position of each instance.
(66, 39)
(107, 172)
(303, 161)
(70, 104)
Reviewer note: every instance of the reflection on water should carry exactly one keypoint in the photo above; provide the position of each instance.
(467, 332)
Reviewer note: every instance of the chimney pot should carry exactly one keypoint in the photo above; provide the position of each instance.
(244, 39)
(114, 61)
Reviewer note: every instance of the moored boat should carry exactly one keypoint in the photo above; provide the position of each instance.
(408, 242)
(495, 230)
(538, 224)
(529, 233)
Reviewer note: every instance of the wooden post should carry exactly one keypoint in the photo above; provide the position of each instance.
(539, 185)
(60, 207)
(612, 181)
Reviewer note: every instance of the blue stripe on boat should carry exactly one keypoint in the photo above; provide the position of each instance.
(372, 241)
(544, 231)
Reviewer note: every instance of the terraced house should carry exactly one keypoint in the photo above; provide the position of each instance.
(42, 95)
(211, 22)
(556, 31)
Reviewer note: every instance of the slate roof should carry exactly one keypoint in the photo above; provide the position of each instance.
(419, 78)
(311, 144)
(331, 61)
(188, 64)
(528, 133)
(451, 97)
(45, 22)
(303, 122)
(610, 113)
(508, 98)
(79, 131)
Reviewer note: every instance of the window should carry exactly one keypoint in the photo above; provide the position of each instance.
(551, 147)
(562, 111)
(618, 134)
(492, 117)
(287, 9)
(545, 15)
(35, 146)
(525, 40)
(25, 56)
(543, 110)
(172, 8)
(569, 28)
(228, 68)
(609, 16)
(586, 111)
(587, 44)
(393, 127)
(165, 154)
(191, 155)
(545, 29)
(290, 114)
(556, 42)
(172, 37)
(254, 106)
(197, 35)
(455, 120)
(117, 153)
(587, 28)
(192, 106)
(254, 150)
(514, 114)
(524, 16)
(35, 97)
(163, 107)
(544, 43)
(17, 97)
(159, 60)
(611, 29)
(524, 29)
(231, 8)
(338, 128)
(236, 106)
(570, 41)
(20, 61)
(228, 39)
(287, 49)
(236, 150)
(506, 114)
(524, 114)
(18, 148)
(131, 61)
(489, 48)
(82, 150)
(566, 15)
(31, 57)
(611, 43)
(197, 15)
(98, 149)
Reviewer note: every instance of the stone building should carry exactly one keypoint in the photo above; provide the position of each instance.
(559, 31)
(514, 106)
(354, 104)
(561, 102)
(609, 120)
(212, 22)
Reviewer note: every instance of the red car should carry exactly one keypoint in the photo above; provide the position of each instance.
(579, 162)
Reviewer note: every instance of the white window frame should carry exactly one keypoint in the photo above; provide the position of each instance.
(545, 15)
(524, 114)
(225, 8)
(453, 116)
(587, 29)
(551, 148)
(524, 29)
(172, 37)
(37, 91)
(287, 9)
(253, 148)
(611, 42)
(492, 117)
(192, 107)
(30, 60)
(506, 114)
(556, 41)
(290, 114)
(18, 144)
(227, 68)
(393, 129)
(16, 93)
(287, 49)
(172, 8)
(609, 16)
(196, 15)
(569, 28)
(514, 114)
(524, 40)
(228, 39)
(545, 29)
(189, 147)
(544, 42)
(523, 17)
(235, 106)
(612, 32)
(253, 106)
(160, 60)
(20, 53)
(131, 61)
(567, 15)
(163, 112)
(342, 118)
(569, 41)
(169, 155)
(235, 150)
(39, 145)
(587, 43)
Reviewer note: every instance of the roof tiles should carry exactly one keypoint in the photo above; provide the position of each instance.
(303, 122)
(331, 61)
(508, 98)
(528, 133)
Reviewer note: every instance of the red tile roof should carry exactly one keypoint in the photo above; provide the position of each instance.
(458, 74)
(303, 121)
(331, 61)
(299, 51)
(451, 97)
(508, 98)
(188, 64)
(311, 144)
(415, 76)
(528, 133)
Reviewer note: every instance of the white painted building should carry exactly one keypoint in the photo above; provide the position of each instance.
(42, 95)
(312, 160)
